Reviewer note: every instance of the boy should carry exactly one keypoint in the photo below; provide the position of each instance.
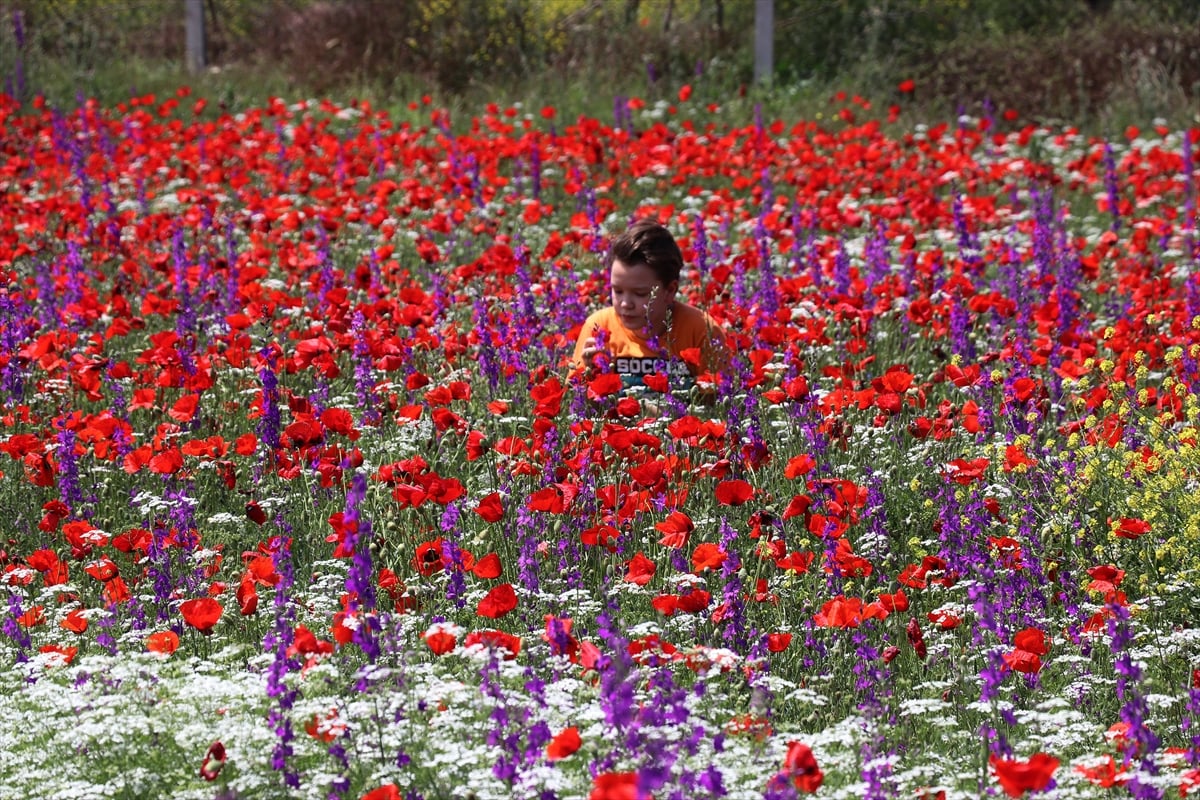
(646, 331)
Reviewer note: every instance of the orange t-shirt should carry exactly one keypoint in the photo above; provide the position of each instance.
(631, 356)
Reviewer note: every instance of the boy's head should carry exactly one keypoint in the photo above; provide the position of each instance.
(644, 266)
(646, 242)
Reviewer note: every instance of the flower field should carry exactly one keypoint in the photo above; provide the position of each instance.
(300, 500)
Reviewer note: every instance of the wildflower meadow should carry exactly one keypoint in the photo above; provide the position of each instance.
(300, 500)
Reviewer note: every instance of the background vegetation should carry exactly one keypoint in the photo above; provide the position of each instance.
(1097, 63)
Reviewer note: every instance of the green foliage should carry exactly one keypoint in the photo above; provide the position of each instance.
(1101, 63)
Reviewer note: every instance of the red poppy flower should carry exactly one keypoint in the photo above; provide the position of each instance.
(498, 602)
(695, 600)
(74, 621)
(1105, 579)
(797, 561)
(167, 463)
(665, 604)
(551, 499)
(1022, 661)
(201, 613)
(675, 529)
(944, 618)
(1032, 640)
(83, 536)
(306, 643)
(325, 727)
(1017, 777)
(778, 642)
(840, 612)
(603, 385)
(163, 642)
(491, 508)
(707, 556)
(964, 376)
(441, 639)
(614, 786)
(639, 570)
(137, 539)
(47, 562)
(1131, 528)
(428, 558)
(547, 397)
(894, 602)
(184, 408)
(58, 655)
(826, 527)
(116, 591)
(797, 507)
(1016, 460)
(40, 469)
(1023, 389)
(600, 536)
(255, 512)
(563, 744)
(247, 596)
(35, 616)
(487, 568)
(495, 640)
(734, 492)
(692, 356)
(798, 466)
(388, 791)
(656, 383)
(102, 570)
(1106, 774)
(963, 471)
(260, 568)
(800, 768)
(649, 474)
(476, 445)
(339, 421)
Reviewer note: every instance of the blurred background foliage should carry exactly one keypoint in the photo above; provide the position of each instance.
(1093, 62)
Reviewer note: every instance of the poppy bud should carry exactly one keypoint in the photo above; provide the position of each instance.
(216, 754)
(916, 638)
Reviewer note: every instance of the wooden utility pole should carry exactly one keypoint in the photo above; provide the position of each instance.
(764, 40)
(194, 22)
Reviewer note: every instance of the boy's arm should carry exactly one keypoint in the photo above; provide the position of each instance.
(715, 355)
(585, 348)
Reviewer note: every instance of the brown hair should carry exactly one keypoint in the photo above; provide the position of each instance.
(647, 242)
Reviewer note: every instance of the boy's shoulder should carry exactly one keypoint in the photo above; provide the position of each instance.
(688, 317)
(602, 317)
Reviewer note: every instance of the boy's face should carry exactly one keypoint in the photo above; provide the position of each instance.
(640, 299)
